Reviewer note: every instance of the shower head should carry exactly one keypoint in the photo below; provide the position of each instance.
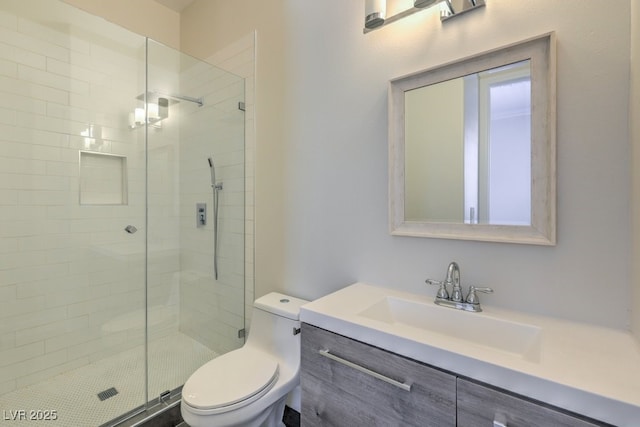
(213, 171)
(215, 185)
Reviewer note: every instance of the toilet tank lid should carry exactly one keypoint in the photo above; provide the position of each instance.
(281, 304)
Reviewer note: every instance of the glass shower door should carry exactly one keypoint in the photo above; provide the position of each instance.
(195, 282)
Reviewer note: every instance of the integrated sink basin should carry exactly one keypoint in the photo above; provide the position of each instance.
(586, 369)
(480, 329)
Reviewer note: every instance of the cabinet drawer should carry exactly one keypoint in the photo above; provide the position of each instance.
(480, 405)
(371, 393)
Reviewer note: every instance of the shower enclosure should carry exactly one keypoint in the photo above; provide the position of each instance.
(108, 298)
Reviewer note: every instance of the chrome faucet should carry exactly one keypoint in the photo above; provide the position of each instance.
(455, 300)
(453, 279)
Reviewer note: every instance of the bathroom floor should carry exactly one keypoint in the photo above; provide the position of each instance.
(74, 395)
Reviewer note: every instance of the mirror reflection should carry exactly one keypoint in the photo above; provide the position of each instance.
(472, 147)
(468, 149)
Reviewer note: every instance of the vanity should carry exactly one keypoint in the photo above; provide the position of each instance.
(376, 356)
(472, 156)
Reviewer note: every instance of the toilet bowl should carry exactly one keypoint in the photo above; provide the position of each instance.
(249, 386)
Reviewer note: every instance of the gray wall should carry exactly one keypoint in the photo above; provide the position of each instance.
(336, 185)
(634, 112)
(321, 149)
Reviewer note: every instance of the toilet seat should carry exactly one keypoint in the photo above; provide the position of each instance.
(231, 381)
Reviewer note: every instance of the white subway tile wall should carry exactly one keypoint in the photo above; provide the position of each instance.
(67, 270)
(72, 281)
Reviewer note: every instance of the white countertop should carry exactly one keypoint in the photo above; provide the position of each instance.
(585, 369)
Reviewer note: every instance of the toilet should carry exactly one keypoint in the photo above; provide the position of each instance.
(249, 386)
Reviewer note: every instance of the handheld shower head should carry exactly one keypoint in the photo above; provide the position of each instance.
(212, 166)
(213, 172)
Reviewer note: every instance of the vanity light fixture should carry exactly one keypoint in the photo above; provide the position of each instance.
(375, 11)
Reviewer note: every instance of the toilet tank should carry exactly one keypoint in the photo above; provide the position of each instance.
(274, 321)
(280, 305)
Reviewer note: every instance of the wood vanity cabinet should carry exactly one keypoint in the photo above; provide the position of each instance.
(348, 383)
(482, 405)
(339, 394)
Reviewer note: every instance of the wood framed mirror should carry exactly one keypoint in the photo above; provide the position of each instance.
(472, 147)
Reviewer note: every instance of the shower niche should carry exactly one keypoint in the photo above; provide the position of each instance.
(103, 179)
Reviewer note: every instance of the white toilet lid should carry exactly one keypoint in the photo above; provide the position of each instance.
(230, 378)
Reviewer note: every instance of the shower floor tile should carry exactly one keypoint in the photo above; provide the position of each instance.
(74, 395)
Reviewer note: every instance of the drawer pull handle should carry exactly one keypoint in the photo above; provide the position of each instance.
(403, 386)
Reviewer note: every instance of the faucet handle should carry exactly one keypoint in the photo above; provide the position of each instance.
(442, 292)
(472, 297)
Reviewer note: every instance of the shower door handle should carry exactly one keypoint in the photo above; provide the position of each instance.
(130, 229)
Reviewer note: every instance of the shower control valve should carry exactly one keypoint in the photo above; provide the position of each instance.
(201, 214)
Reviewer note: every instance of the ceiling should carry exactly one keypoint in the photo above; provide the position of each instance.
(177, 5)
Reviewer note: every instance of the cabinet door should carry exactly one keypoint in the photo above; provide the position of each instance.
(480, 405)
(349, 383)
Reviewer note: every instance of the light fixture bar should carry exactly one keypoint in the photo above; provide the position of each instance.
(425, 4)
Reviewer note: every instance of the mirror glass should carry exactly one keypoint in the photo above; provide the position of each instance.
(468, 148)
(472, 147)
